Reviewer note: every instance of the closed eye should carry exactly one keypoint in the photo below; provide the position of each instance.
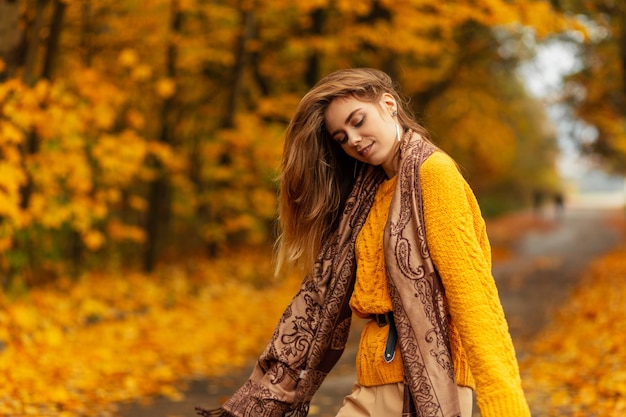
(342, 140)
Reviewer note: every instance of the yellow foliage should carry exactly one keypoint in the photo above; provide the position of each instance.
(575, 367)
(138, 203)
(166, 87)
(120, 157)
(11, 178)
(84, 212)
(42, 90)
(263, 202)
(119, 232)
(54, 217)
(165, 154)
(94, 240)
(86, 141)
(354, 7)
(135, 119)
(5, 243)
(10, 134)
(79, 348)
(543, 19)
(104, 116)
(187, 5)
(462, 117)
(306, 7)
(128, 58)
(111, 195)
(142, 72)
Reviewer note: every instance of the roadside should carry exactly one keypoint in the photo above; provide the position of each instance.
(547, 263)
(537, 261)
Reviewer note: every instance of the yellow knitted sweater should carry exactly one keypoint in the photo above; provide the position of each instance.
(459, 248)
(371, 295)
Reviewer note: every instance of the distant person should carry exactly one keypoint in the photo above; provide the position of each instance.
(385, 227)
(559, 205)
(538, 197)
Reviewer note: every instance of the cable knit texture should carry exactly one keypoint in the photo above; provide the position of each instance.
(459, 248)
(371, 295)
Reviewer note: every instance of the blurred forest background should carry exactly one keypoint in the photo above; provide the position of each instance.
(135, 131)
(135, 135)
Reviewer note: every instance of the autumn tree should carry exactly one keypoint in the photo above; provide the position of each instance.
(11, 38)
(495, 130)
(133, 132)
(159, 188)
(597, 92)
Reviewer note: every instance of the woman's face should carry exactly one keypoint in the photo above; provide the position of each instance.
(366, 131)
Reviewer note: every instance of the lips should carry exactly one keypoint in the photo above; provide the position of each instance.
(363, 152)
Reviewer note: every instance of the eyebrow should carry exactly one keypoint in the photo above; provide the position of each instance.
(346, 122)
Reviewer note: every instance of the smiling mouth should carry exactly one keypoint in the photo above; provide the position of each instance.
(363, 152)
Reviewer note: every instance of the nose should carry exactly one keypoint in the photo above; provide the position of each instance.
(354, 139)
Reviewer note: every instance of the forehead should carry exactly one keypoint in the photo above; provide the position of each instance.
(344, 103)
(340, 107)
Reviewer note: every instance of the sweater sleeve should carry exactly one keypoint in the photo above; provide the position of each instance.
(460, 251)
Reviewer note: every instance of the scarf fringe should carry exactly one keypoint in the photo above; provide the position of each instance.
(218, 412)
(301, 411)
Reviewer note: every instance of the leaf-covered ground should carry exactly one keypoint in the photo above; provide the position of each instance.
(76, 348)
(577, 365)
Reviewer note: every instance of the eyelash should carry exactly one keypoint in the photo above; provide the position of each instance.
(344, 139)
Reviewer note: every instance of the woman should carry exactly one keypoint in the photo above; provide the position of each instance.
(385, 227)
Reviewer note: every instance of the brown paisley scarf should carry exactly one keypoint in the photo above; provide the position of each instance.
(312, 332)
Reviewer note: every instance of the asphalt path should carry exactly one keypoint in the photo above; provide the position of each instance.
(544, 267)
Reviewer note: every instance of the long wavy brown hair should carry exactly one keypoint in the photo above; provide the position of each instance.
(316, 175)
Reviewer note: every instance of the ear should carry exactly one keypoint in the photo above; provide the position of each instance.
(388, 103)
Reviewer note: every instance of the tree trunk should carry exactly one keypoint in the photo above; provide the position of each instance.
(313, 68)
(11, 37)
(241, 62)
(31, 145)
(52, 46)
(468, 34)
(85, 33)
(53, 38)
(622, 43)
(33, 43)
(158, 198)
